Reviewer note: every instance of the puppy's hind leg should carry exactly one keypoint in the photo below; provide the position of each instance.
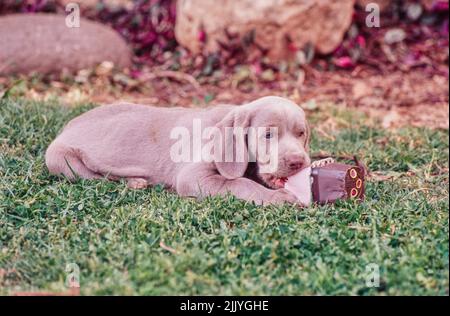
(64, 160)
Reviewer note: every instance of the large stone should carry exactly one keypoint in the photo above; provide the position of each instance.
(43, 43)
(277, 24)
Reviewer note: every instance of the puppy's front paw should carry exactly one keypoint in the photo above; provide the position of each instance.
(137, 183)
(283, 196)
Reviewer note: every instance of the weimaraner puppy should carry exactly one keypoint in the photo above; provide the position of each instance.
(138, 143)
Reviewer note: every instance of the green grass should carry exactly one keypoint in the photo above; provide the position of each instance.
(223, 246)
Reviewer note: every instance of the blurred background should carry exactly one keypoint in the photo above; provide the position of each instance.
(197, 53)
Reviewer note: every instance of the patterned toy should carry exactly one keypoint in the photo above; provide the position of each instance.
(327, 181)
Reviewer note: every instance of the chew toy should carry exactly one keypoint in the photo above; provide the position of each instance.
(326, 181)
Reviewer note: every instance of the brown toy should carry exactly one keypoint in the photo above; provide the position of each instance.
(327, 181)
(336, 181)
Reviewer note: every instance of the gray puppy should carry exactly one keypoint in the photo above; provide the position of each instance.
(133, 142)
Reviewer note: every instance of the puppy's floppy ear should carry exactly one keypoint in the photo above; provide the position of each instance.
(307, 136)
(232, 162)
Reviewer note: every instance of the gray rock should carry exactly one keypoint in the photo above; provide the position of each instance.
(42, 43)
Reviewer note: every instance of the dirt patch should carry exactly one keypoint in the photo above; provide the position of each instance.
(397, 98)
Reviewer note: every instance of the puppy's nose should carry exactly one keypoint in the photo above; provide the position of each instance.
(295, 161)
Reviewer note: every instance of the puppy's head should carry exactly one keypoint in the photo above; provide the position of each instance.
(276, 140)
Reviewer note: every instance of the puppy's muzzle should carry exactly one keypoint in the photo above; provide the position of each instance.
(295, 161)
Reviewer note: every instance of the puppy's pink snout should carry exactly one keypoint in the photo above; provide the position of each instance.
(295, 161)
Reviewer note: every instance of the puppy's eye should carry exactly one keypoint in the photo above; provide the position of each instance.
(269, 135)
(301, 134)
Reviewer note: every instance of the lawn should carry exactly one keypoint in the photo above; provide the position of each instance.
(154, 242)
